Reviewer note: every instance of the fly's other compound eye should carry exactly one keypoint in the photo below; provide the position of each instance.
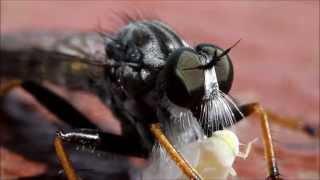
(185, 86)
(222, 64)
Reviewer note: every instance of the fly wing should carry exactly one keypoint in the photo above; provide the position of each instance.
(85, 45)
(76, 61)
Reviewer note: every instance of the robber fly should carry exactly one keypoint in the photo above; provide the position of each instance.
(166, 93)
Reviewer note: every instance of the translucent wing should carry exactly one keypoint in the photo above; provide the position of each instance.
(88, 46)
(76, 61)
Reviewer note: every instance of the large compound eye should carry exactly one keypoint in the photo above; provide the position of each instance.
(185, 85)
(223, 65)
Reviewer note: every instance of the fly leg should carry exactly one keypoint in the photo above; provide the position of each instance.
(95, 140)
(287, 122)
(6, 87)
(64, 159)
(86, 130)
(102, 141)
(294, 124)
(90, 137)
(73, 117)
(248, 109)
(174, 154)
(54, 103)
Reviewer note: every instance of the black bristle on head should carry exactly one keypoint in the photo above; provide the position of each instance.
(215, 58)
(120, 19)
(228, 50)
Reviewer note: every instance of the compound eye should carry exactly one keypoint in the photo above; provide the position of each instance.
(185, 84)
(191, 78)
(207, 49)
(222, 65)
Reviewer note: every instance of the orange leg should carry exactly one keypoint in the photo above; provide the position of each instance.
(174, 154)
(61, 153)
(64, 159)
(294, 124)
(8, 86)
(287, 122)
(273, 171)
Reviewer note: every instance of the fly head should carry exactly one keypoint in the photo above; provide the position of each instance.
(199, 80)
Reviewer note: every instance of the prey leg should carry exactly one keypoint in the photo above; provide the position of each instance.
(174, 154)
(248, 109)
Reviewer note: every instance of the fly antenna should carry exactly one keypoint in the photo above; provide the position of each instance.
(225, 52)
(215, 58)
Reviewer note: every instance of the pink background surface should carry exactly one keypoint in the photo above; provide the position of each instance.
(276, 63)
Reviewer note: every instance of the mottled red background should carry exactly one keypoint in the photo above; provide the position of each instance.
(276, 63)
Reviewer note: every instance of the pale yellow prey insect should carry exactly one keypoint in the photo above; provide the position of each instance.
(218, 153)
(212, 157)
